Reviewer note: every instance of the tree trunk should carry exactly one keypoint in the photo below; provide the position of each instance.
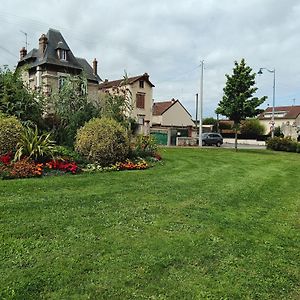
(235, 138)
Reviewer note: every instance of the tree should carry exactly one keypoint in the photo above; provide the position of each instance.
(69, 109)
(117, 105)
(252, 128)
(238, 102)
(18, 100)
(211, 121)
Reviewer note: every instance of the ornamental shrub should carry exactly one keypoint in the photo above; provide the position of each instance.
(144, 146)
(34, 145)
(10, 133)
(103, 141)
(282, 144)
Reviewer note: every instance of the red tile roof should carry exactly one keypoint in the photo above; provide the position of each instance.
(130, 80)
(160, 107)
(292, 112)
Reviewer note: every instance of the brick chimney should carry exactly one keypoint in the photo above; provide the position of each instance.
(95, 64)
(23, 53)
(43, 41)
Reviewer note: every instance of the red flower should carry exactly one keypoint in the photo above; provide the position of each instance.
(6, 158)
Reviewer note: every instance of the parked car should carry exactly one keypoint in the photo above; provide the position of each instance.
(212, 138)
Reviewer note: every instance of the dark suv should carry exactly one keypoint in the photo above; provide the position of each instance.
(212, 138)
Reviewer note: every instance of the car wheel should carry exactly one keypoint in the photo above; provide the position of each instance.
(203, 143)
(218, 144)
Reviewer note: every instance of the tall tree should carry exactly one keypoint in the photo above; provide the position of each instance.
(238, 102)
(19, 100)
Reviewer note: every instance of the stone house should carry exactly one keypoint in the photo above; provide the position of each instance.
(46, 68)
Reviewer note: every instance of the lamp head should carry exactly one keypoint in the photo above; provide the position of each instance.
(260, 71)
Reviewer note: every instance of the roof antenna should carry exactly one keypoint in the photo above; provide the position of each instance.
(26, 43)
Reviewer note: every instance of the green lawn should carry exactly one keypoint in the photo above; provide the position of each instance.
(208, 224)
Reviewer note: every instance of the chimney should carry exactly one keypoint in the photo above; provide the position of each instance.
(23, 53)
(43, 41)
(95, 63)
(146, 75)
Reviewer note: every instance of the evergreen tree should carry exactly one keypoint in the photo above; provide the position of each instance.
(238, 102)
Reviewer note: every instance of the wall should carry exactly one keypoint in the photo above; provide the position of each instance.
(176, 115)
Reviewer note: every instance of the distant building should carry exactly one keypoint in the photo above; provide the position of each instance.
(140, 91)
(45, 68)
(171, 120)
(283, 115)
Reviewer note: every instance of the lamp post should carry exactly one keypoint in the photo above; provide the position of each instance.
(272, 127)
(201, 106)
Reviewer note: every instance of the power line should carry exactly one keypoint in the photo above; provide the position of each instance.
(7, 51)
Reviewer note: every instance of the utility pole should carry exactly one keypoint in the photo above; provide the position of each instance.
(196, 111)
(201, 105)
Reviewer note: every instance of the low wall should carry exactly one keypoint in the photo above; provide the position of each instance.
(186, 141)
(244, 142)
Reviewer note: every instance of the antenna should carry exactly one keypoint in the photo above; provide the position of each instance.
(294, 101)
(26, 43)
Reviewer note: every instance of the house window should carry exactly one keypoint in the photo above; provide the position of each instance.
(61, 82)
(141, 119)
(140, 100)
(62, 54)
(141, 84)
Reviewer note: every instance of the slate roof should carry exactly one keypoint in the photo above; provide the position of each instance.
(291, 112)
(161, 107)
(56, 41)
(130, 80)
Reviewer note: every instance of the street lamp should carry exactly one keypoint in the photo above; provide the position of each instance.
(260, 72)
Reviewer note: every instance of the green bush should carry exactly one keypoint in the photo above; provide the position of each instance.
(283, 144)
(10, 133)
(34, 145)
(103, 141)
(144, 146)
(252, 128)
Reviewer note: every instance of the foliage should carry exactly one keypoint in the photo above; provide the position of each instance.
(144, 146)
(69, 109)
(10, 133)
(23, 168)
(211, 121)
(103, 141)
(18, 100)
(128, 164)
(283, 144)
(278, 132)
(238, 102)
(64, 166)
(117, 105)
(252, 128)
(65, 153)
(34, 145)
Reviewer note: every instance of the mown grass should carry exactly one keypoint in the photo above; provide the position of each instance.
(207, 224)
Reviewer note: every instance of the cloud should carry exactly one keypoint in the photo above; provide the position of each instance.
(168, 40)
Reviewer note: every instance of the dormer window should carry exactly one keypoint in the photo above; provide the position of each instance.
(61, 50)
(62, 54)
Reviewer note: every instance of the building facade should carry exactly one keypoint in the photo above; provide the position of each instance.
(139, 90)
(47, 67)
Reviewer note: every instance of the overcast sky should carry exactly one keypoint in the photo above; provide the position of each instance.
(168, 39)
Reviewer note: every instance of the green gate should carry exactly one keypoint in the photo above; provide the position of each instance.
(161, 137)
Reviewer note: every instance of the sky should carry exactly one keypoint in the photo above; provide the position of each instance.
(168, 40)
